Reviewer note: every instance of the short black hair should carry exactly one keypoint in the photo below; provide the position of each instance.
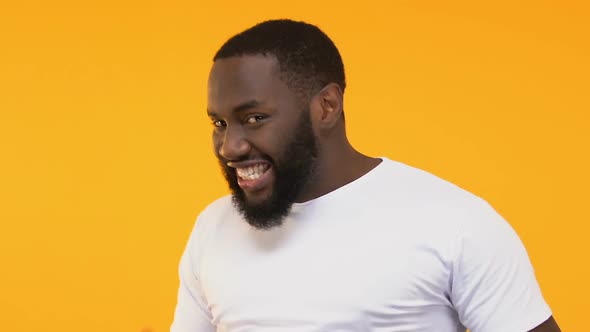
(308, 59)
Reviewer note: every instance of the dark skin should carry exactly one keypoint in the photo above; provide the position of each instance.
(548, 326)
(253, 112)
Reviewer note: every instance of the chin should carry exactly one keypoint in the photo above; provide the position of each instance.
(257, 199)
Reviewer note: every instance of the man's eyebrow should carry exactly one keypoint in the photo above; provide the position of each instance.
(240, 108)
(246, 106)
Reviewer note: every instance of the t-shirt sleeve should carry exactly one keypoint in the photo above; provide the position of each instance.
(493, 283)
(191, 314)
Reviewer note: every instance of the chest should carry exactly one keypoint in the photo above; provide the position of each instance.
(318, 280)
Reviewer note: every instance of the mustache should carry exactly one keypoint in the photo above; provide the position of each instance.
(223, 162)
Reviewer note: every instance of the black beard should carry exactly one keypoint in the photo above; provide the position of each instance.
(293, 171)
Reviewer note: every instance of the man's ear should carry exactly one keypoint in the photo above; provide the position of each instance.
(327, 107)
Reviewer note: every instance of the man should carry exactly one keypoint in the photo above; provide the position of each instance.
(319, 237)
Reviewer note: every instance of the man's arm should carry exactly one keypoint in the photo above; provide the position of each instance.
(191, 314)
(494, 287)
(548, 326)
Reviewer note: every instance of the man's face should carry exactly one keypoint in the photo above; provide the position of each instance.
(262, 137)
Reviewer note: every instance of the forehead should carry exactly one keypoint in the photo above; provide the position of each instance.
(240, 79)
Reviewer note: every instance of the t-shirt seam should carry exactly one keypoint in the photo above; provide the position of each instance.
(532, 320)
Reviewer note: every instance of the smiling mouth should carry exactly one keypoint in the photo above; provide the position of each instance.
(253, 172)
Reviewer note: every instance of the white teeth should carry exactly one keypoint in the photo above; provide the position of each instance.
(251, 172)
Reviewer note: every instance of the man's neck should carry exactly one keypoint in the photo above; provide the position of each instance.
(337, 169)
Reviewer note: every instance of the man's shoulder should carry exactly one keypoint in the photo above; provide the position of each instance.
(211, 215)
(220, 204)
(443, 202)
(217, 209)
(413, 182)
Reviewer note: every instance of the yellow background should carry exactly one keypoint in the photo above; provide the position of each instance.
(106, 157)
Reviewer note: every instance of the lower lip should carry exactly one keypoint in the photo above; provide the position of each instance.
(258, 184)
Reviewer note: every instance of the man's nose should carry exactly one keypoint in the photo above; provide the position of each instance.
(234, 145)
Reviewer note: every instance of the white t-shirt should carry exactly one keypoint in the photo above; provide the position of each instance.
(396, 250)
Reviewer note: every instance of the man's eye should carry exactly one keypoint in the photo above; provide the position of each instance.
(218, 123)
(254, 119)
